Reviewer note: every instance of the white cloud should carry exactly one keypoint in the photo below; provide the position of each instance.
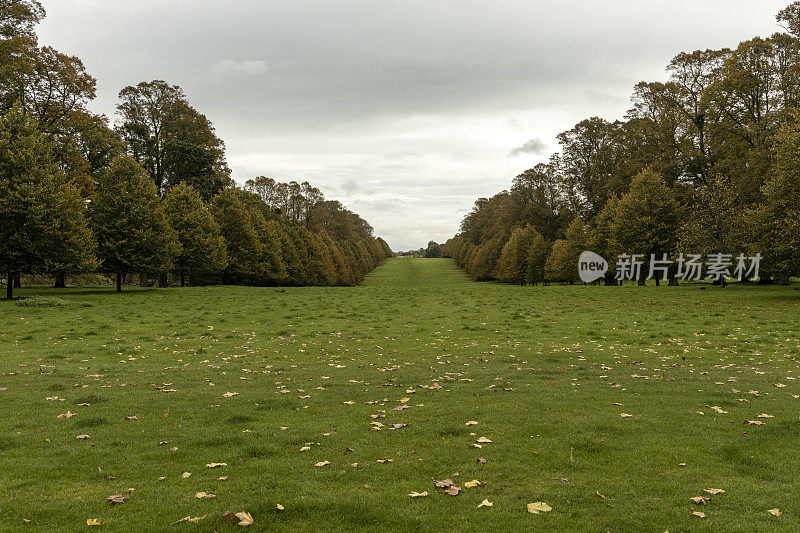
(248, 67)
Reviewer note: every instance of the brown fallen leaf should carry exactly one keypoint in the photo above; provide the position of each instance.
(714, 491)
(754, 422)
(230, 394)
(83, 437)
(443, 484)
(699, 514)
(66, 415)
(453, 490)
(481, 461)
(204, 495)
(483, 440)
(192, 519)
(118, 498)
(131, 418)
(471, 423)
(699, 499)
(244, 519)
(322, 463)
(186, 474)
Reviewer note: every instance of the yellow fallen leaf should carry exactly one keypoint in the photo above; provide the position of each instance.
(539, 507)
(244, 519)
(626, 415)
(215, 465)
(93, 522)
(485, 503)
(280, 507)
(404, 400)
(473, 483)
(775, 512)
(186, 474)
(418, 494)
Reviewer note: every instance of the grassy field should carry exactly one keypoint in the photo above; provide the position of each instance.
(614, 405)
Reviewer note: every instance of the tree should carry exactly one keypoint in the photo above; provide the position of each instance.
(513, 263)
(171, 139)
(433, 250)
(129, 220)
(562, 263)
(203, 252)
(18, 18)
(646, 219)
(537, 257)
(43, 227)
(776, 223)
(236, 225)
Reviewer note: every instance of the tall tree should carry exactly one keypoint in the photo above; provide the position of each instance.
(128, 217)
(42, 217)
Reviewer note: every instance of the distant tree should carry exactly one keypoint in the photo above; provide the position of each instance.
(434, 250)
(203, 251)
(43, 226)
(130, 223)
(601, 239)
(647, 219)
(483, 264)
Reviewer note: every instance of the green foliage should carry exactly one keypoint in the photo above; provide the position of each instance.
(777, 222)
(43, 226)
(130, 223)
(42, 301)
(203, 252)
(537, 257)
(647, 218)
(562, 263)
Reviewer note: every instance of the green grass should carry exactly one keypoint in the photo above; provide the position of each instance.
(539, 368)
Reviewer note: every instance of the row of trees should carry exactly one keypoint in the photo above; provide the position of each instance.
(706, 162)
(153, 195)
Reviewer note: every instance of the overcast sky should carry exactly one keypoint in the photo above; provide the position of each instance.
(404, 110)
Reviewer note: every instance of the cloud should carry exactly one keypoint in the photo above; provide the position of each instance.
(533, 146)
(248, 67)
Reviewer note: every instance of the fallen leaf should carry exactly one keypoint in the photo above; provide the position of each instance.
(204, 495)
(453, 490)
(244, 519)
(483, 440)
(186, 474)
(473, 483)
(775, 512)
(764, 415)
(66, 415)
(83, 437)
(215, 465)
(230, 394)
(539, 507)
(118, 498)
(699, 499)
(93, 522)
(481, 461)
(322, 463)
(485, 503)
(714, 491)
(279, 507)
(131, 418)
(443, 484)
(471, 423)
(194, 519)
(418, 494)
(626, 415)
(699, 514)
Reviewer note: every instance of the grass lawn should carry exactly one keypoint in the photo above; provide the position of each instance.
(322, 375)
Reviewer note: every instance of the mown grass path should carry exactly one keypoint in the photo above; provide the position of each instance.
(546, 372)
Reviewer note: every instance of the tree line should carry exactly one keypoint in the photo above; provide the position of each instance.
(705, 162)
(153, 194)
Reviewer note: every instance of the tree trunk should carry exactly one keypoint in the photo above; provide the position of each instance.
(183, 279)
(143, 280)
(162, 280)
(17, 280)
(642, 283)
(673, 281)
(765, 278)
(61, 281)
(119, 281)
(10, 286)
(783, 279)
(658, 281)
